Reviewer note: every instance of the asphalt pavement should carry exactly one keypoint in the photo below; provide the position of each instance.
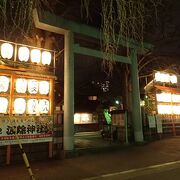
(153, 160)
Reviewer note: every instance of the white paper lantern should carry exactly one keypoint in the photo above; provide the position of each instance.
(173, 79)
(33, 86)
(43, 106)
(6, 50)
(19, 106)
(4, 84)
(176, 98)
(35, 55)
(166, 78)
(164, 109)
(44, 87)
(23, 54)
(3, 105)
(176, 110)
(164, 97)
(21, 85)
(46, 58)
(32, 106)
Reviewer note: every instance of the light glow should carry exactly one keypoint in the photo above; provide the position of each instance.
(23, 54)
(33, 86)
(35, 55)
(21, 85)
(6, 50)
(3, 105)
(19, 106)
(4, 84)
(43, 106)
(44, 87)
(46, 58)
(32, 106)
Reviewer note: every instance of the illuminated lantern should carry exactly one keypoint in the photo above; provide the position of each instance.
(35, 55)
(23, 54)
(43, 106)
(6, 50)
(157, 76)
(33, 86)
(4, 84)
(44, 87)
(21, 85)
(46, 58)
(173, 79)
(32, 106)
(176, 98)
(19, 106)
(165, 78)
(176, 109)
(164, 109)
(4, 105)
(163, 97)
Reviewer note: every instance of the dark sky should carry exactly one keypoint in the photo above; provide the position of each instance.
(164, 34)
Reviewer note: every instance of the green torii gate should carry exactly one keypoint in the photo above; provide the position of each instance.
(57, 24)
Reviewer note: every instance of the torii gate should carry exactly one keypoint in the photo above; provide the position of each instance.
(57, 24)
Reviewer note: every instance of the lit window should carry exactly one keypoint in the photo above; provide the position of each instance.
(3, 105)
(7, 50)
(35, 55)
(46, 58)
(19, 105)
(23, 54)
(33, 86)
(4, 84)
(44, 87)
(32, 106)
(77, 118)
(21, 85)
(85, 118)
(43, 106)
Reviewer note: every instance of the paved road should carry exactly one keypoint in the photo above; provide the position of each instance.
(155, 160)
(163, 171)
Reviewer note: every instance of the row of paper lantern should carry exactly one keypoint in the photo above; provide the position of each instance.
(23, 85)
(30, 106)
(168, 109)
(165, 77)
(168, 97)
(25, 54)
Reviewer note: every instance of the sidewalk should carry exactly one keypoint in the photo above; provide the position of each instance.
(102, 162)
